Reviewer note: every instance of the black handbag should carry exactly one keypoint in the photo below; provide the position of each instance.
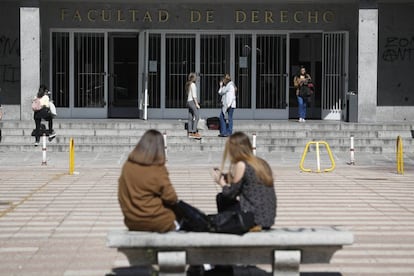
(232, 222)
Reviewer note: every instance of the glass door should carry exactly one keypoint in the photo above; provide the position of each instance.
(306, 50)
(123, 75)
(214, 63)
(89, 97)
(271, 76)
(78, 74)
(334, 74)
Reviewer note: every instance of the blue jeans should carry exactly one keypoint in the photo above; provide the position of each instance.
(226, 129)
(302, 107)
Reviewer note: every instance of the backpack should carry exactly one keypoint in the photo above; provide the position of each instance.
(36, 106)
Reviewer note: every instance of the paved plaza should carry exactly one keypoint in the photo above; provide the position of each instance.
(53, 223)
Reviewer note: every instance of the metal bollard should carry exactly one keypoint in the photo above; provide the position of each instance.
(44, 160)
(165, 144)
(254, 143)
(352, 152)
(71, 156)
(400, 156)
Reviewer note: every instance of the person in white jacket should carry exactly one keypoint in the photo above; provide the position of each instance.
(227, 92)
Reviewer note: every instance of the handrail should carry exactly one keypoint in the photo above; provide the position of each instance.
(305, 152)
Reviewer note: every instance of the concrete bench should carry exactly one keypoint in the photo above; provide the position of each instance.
(284, 248)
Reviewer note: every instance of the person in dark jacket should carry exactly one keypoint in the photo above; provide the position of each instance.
(248, 184)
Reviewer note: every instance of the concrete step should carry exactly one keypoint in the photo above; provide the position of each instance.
(270, 139)
(271, 136)
(125, 148)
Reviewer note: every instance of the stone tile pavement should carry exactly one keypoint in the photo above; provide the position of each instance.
(52, 223)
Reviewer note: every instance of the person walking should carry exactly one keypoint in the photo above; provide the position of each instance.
(303, 92)
(41, 108)
(145, 193)
(193, 107)
(227, 92)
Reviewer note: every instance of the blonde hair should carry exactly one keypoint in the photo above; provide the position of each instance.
(238, 148)
(191, 78)
(150, 149)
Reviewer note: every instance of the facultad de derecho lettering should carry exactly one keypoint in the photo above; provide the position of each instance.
(197, 16)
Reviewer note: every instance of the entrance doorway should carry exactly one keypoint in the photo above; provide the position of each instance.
(123, 75)
(325, 57)
(257, 63)
(306, 50)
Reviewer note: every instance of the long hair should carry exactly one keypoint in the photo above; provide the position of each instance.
(42, 91)
(238, 148)
(149, 150)
(191, 79)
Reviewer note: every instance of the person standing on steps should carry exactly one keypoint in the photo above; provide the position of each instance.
(227, 92)
(193, 106)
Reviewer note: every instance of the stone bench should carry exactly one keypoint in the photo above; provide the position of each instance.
(284, 248)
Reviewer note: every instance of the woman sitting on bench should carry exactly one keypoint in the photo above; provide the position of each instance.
(145, 192)
(248, 184)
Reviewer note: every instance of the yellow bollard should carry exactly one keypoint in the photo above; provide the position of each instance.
(71, 156)
(400, 156)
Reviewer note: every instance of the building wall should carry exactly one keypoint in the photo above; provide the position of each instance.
(9, 53)
(242, 16)
(395, 62)
(396, 55)
(396, 36)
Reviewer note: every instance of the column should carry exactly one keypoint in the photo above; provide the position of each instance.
(367, 61)
(29, 59)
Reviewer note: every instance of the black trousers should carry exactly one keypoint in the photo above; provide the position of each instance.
(38, 116)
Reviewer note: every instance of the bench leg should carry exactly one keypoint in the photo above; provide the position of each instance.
(286, 263)
(172, 263)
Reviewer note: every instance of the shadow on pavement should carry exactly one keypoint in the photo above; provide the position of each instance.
(217, 271)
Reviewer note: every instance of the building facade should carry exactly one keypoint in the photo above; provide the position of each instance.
(130, 59)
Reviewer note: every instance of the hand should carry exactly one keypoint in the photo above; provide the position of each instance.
(218, 177)
(221, 84)
(216, 173)
(198, 106)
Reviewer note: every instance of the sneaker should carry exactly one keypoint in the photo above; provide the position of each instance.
(303, 120)
(52, 136)
(36, 144)
(197, 135)
(190, 135)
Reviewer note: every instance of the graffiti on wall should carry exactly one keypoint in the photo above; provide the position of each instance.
(9, 50)
(398, 49)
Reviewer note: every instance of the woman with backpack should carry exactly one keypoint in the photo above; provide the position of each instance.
(41, 109)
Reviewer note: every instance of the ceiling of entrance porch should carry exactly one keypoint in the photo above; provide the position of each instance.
(221, 2)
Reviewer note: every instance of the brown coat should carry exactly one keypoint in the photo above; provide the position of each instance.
(144, 194)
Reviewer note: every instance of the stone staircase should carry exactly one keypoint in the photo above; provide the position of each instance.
(120, 135)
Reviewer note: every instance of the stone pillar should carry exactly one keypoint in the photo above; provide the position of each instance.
(367, 64)
(29, 59)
